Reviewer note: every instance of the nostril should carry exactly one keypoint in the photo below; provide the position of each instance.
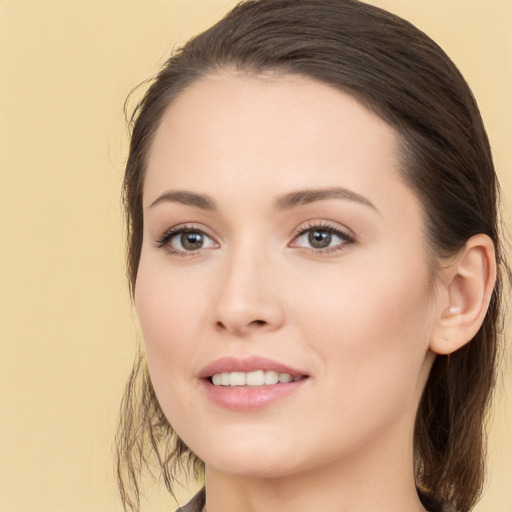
(232, 327)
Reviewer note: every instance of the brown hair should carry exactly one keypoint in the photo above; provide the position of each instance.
(396, 71)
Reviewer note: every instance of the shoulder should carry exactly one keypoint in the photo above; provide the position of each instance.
(196, 504)
(434, 505)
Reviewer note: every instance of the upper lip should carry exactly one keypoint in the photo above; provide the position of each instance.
(248, 364)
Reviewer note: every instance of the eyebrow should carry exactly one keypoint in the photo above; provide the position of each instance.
(302, 197)
(283, 203)
(188, 198)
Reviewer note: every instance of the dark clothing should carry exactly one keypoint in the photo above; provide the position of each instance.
(196, 504)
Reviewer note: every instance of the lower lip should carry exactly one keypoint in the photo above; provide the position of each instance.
(246, 398)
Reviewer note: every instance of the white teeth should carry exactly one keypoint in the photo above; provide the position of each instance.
(255, 378)
(271, 377)
(237, 378)
(285, 377)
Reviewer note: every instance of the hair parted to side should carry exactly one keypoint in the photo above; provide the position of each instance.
(399, 73)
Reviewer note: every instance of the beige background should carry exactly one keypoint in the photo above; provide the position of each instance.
(67, 331)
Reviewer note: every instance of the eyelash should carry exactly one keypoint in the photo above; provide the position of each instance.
(165, 239)
(324, 226)
(347, 239)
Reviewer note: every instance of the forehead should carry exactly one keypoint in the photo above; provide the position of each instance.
(237, 124)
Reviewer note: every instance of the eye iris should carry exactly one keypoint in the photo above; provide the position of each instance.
(191, 240)
(319, 239)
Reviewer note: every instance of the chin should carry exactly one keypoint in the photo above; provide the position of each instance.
(259, 467)
(248, 456)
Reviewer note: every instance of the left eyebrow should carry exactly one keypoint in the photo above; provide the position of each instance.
(187, 198)
(302, 197)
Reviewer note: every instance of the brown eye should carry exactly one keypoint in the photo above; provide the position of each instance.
(322, 239)
(185, 240)
(191, 240)
(319, 239)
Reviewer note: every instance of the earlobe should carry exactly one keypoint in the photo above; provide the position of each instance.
(468, 281)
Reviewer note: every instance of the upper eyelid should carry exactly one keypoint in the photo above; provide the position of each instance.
(179, 228)
(191, 226)
(323, 225)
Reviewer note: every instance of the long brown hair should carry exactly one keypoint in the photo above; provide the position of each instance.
(399, 73)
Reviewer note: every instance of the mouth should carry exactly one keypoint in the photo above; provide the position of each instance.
(255, 378)
(250, 383)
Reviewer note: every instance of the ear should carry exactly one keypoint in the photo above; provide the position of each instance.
(464, 291)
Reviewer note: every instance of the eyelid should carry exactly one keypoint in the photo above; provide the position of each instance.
(324, 225)
(169, 234)
(347, 236)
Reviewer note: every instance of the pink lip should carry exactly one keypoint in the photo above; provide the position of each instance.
(249, 398)
(250, 364)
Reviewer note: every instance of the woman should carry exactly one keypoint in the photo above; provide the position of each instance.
(314, 255)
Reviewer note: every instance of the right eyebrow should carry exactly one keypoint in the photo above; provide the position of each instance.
(188, 198)
(302, 197)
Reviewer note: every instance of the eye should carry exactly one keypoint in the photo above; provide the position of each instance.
(322, 238)
(184, 239)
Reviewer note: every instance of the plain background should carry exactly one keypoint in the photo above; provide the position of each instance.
(67, 329)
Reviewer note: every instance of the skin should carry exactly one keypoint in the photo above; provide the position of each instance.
(357, 317)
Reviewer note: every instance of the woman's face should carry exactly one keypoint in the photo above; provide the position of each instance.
(280, 243)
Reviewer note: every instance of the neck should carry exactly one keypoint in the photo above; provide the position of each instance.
(381, 478)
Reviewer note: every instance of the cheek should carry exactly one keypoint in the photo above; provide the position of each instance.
(372, 331)
(368, 306)
(168, 316)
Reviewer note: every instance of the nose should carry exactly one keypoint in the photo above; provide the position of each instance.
(248, 299)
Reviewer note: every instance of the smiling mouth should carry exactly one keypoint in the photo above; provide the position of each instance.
(251, 383)
(255, 378)
(231, 377)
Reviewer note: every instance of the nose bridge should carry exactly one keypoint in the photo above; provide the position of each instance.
(248, 296)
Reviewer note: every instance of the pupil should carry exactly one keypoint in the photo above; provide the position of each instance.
(191, 240)
(320, 239)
